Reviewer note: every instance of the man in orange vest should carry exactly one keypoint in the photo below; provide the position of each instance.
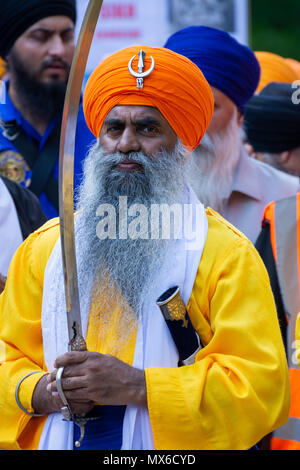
(278, 245)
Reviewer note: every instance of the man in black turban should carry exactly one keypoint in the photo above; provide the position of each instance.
(17, 16)
(37, 42)
(38, 63)
(272, 125)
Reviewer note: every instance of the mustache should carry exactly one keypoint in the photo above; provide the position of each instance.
(54, 63)
(132, 157)
(109, 162)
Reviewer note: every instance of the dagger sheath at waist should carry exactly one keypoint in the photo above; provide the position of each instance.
(180, 326)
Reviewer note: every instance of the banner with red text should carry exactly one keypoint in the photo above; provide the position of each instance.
(125, 23)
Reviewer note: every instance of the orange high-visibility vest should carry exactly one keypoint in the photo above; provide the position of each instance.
(284, 219)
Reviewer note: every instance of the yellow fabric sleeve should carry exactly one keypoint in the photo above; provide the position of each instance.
(21, 343)
(236, 392)
(238, 389)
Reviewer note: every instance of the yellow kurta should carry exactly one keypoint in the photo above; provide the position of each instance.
(235, 393)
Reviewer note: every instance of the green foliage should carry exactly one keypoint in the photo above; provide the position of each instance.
(275, 27)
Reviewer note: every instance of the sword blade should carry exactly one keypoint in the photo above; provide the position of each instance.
(66, 166)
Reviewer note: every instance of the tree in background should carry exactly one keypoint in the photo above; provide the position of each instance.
(276, 27)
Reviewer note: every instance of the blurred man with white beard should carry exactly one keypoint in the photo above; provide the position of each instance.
(221, 173)
(235, 389)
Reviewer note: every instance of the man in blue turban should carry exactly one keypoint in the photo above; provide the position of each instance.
(222, 174)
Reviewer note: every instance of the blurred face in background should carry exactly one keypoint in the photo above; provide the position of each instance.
(39, 65)
(45, 50)
(213, 163)
(224, 111)
(288, 161)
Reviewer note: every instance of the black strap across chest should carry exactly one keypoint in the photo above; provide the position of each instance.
(41, 163)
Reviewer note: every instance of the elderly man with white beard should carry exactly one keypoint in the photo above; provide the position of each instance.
(130, 382)
(221, 173)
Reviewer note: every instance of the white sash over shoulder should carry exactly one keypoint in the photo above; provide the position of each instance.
(154, 344)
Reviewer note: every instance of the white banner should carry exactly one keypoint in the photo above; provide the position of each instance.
(125, 23)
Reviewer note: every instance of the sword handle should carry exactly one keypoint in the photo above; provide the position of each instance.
(77, 343)
(66, 410)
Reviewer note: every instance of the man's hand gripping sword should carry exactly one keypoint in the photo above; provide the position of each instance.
(66, 197)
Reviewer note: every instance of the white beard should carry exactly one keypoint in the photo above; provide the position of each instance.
(124, 265)
(212, 166)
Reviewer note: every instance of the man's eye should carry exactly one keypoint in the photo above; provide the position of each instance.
(150, 130)
(69, 36)
(113, 129)
(40, 36)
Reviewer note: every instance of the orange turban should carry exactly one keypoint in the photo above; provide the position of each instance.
(274, 68)
(176, 87)
(295, 66)
(2, 67)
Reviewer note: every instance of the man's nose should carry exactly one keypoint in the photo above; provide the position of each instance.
(56, 46)
(128, 142)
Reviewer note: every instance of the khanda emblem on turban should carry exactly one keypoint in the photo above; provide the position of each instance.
(141, 65)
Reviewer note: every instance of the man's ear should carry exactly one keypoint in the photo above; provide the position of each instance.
(250, 150)
(284, 157)
(240, 118)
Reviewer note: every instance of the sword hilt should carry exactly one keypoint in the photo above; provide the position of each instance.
(77, 343)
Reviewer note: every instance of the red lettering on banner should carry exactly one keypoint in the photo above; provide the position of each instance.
(118, 10)
(118, 34)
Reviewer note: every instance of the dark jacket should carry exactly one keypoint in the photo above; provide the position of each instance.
(30, 214)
